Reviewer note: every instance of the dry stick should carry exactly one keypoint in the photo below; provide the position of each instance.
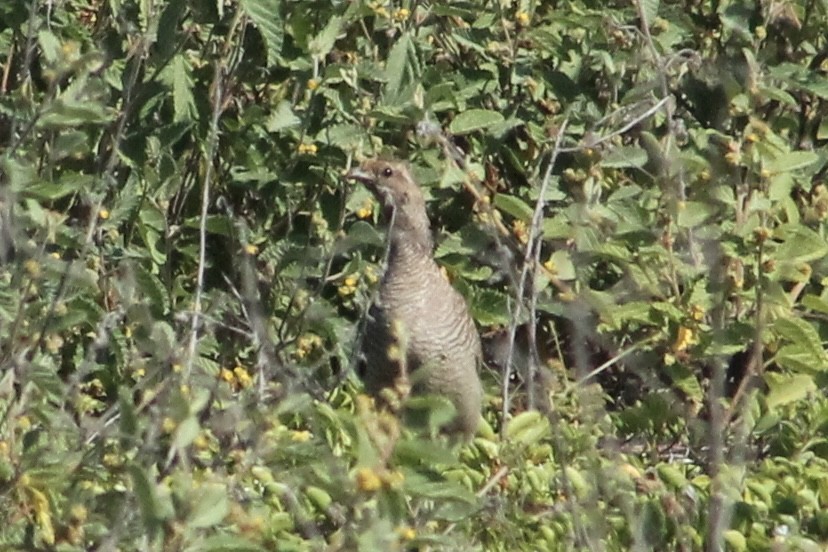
(646, 115)
(212, 146)
(524, 275)
(533, 249)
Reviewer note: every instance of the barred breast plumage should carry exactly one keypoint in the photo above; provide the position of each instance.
(420, 326)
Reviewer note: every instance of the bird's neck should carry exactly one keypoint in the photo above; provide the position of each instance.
(410, 234)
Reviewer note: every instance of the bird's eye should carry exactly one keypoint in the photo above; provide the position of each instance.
(387, 172)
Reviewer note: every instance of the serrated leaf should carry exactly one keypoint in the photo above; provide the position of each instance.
(694, 213)
(267, 17)
(650, 9)
(186, 432)
(49, 45)
(624, 157)
(321, 44)
(514, 206)
(815, 303)
(801, 245)
(282, 118)
(803, 335)
(792, 161)
(184, 108)
(784, 389)
(210, 505)
(490, 307)
(398, 66)
(144, 490)
(475, 119)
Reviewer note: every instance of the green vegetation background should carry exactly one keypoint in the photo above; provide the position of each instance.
(638, 185)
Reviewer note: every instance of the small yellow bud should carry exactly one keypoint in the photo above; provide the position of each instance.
(103, 214)
(300, 436)
(367, 480)
(684, 338)
(242, 376)
(406, 533)
(32, 268)
(401, 14)
(313, 84)
(227, 375)
(251, 249)
(168, 425)
(522, 18)
(307, 149)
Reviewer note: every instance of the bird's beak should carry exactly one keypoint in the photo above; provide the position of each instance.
(361, 175)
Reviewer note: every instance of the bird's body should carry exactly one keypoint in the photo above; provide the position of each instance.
(420, 327)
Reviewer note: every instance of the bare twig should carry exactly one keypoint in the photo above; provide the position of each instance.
(531, 252)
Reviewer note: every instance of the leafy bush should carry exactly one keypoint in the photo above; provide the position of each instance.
(634, 191)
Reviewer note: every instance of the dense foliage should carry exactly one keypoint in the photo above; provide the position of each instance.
(633, 193)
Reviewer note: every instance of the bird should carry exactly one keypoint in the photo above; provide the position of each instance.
(419, 327)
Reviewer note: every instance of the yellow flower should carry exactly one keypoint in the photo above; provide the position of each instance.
(243, 376)
(550, 266)
(392, 479)
(522, 18)
(201, 442)
(32, 268)
(521, 231)
(401, 14)
(406, 533)
(300, 436)
(367, 480)
(696, 312)
(733, 158)
(684, 338)
(309, 149)
(313, 84)
(168, 425)
(103, 214)
(251, 249)
(366, 210)
(227, 375)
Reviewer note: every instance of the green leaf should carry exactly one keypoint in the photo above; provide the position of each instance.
(693, 213)
(186, 432)
(803, 335)
(527, 427)
(514, 206)
(266, 15)
(784, 389)
(650, 9)
(792, 161)
(490, 307)
(624, 157)
(144, 489)
(210, 505)
(282, 118)
(321, 44)
(399, 66)
(801, 245)
(475, 119)
(184, 108)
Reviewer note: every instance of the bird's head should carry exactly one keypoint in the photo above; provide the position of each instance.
(403, 203)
